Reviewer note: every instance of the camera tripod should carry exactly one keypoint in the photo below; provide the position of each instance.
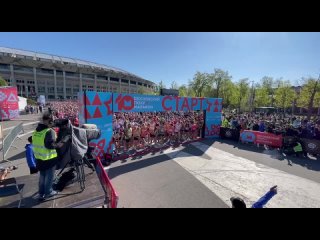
(78, 167)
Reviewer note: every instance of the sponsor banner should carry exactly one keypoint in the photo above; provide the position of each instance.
(98, 107)
(213, 124)
(9, 103)
(148, 103)
(261, 138)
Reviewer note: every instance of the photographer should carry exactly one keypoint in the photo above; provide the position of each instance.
(44, 147)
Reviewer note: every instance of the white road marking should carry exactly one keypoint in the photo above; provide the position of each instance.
(27, 124)
(22, 135)
(228, 175)
(27, 133)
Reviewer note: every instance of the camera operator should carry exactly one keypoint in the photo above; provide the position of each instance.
(44, 147)
(64, 135)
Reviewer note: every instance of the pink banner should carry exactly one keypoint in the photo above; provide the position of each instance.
(9, 103)
(261, 138)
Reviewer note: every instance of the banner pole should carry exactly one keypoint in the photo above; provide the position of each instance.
(85, 106)
(1, 135)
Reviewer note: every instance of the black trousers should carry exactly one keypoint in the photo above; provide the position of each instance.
(33, 170)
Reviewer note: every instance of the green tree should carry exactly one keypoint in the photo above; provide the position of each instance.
(199, 84)
(241, 93)
(309, 96)
(261, 96)
(183, 91)
(218, 79)
(141, 90)
(145, 91)
(227, 92)
(160, 86)
(208, 91)
(284, 95)
(268, 84)
(31, 102)
(174, 85)
(3, 82)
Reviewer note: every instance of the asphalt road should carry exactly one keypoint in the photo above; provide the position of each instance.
(208, 173)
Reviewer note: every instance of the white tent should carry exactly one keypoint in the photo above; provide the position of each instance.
(22, 103)
(42, 100)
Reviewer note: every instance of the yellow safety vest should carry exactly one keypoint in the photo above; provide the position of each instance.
(298, 148)
(225, 123)
(39, 149)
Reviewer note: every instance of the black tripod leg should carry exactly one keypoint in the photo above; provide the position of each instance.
(88, 163)
(80, 173)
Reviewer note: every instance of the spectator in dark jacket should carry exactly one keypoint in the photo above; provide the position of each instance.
(317, 133)
(255, 127)
(304, 132)
(261, 126)
(239, 203)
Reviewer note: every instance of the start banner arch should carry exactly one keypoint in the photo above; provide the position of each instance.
(98, 108)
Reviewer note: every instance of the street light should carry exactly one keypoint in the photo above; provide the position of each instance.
(252, 96)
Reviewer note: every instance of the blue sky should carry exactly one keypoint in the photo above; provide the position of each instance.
(177, 56)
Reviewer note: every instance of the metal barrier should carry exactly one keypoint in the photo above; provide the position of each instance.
(9, 139)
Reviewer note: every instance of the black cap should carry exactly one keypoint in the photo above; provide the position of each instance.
(238, 202)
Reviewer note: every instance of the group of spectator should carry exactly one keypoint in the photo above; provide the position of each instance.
(287, 125)
(33, 109)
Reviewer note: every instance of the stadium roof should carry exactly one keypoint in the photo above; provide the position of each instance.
(59, 59)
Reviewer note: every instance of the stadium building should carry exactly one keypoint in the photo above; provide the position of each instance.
(58, 77)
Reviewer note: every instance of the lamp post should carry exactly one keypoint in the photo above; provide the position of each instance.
(252, 97)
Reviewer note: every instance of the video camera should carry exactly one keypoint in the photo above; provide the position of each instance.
(92, 131)
(75, 152)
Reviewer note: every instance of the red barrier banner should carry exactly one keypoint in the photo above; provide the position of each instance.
(261, 138)
(9, 103)
(110, 193)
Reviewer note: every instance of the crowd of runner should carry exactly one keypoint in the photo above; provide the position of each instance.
(66, 109)
(142, 130)
(288, 125)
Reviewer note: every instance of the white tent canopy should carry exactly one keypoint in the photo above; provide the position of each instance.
(22, 103)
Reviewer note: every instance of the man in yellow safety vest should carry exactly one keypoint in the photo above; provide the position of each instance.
(44, 148)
